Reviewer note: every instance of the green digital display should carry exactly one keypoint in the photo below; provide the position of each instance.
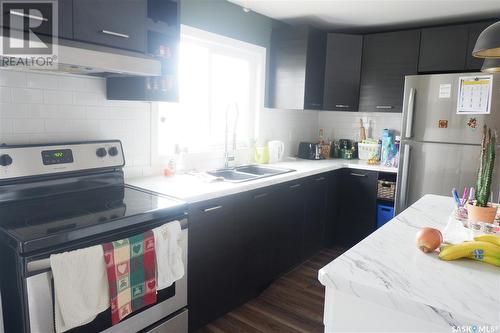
(50, 157)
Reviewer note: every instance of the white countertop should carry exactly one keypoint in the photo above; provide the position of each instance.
(193, 189)
(386, 268)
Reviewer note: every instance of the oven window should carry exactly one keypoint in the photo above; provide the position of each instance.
(103, 320)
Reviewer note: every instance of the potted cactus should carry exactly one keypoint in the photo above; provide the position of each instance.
(481, 210)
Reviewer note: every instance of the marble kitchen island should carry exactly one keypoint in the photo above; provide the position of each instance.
(385, 284)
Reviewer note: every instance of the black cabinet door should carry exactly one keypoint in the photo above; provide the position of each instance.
(296, 70)
(443, 49)
(357, 209)
(255, 218)
(315, 70)
(316, 215)
(387, 58)
(290, 221)
(475, 30)
(114, 23)
(332, 204)
(342, 72)
(211, 260)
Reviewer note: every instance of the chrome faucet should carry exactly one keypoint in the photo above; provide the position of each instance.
(230, 157)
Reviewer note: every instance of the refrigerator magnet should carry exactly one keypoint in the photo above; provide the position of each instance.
(472, 123)
(474, 94)
(443, 124)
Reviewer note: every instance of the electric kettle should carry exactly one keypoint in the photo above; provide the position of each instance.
(276, 151)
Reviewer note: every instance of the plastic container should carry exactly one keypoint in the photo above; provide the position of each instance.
(385, 213)
(367, 151)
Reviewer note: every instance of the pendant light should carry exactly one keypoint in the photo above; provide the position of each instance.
(488, 42)
(491, 66)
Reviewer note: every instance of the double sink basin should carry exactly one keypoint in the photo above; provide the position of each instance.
(248, 172)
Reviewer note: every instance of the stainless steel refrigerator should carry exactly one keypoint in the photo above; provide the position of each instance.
(439, 148)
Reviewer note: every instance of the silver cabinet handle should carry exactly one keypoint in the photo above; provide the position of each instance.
(314, 104)
(358, 174)
(345, 106)
(212, 208)
(261, 195)
(319, 179)
(409, 117)
(116, 34)
(295, 186)
(33, 17)
(384, 107)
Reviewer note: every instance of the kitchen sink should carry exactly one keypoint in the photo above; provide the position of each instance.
(248, 172)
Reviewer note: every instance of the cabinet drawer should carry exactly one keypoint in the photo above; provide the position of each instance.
(100, 22)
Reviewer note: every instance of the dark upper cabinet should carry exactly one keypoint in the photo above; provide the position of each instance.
(357, 206)
(475, 29)
(387, 58)
(342, 72)
(443, 49)
(297, 63)
(114, 23)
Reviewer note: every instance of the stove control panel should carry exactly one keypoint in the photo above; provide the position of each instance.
(36, 160)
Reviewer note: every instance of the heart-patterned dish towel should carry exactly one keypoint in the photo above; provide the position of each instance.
(131, 270)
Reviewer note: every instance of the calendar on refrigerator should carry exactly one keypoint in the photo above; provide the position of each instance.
(474, 94)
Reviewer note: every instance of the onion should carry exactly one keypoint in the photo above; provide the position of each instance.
(428, 239)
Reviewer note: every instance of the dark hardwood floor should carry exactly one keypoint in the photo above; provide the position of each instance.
(293, 303)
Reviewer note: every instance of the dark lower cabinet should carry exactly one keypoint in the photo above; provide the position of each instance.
(357, 206)
(239, 244)
(255, 216)
(212, 263)
(316, 216)
(287, 250)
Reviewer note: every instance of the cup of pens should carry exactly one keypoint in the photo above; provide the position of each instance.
(460, 211)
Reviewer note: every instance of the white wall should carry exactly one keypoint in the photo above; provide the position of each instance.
(41, 108)
(345, 125)
(289, 126)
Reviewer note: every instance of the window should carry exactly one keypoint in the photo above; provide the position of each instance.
(219, 78)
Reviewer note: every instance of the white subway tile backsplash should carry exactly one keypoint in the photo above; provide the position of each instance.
(28, 126)
(12, 78)
(57, 97)
(5, 95)
(24, 95)
(9, 110)
(44, 108)
(42, 81)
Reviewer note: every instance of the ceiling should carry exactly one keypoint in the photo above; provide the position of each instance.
(373, 15)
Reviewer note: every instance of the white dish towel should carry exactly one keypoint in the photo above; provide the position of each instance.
(169, 266)
(80, 287)
(81, 283)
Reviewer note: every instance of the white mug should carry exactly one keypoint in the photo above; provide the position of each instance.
(276, 151)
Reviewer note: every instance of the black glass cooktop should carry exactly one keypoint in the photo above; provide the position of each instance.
(37, 224)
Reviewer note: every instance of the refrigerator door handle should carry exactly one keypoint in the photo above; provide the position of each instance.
(409, 118)
(404, 180)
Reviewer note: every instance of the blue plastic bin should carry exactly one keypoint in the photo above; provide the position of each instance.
(385, 213)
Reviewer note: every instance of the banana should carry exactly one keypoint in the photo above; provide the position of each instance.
(494, 239)
(489, 260)
(466, 249)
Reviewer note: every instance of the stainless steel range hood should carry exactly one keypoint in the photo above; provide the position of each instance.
(87, 59)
